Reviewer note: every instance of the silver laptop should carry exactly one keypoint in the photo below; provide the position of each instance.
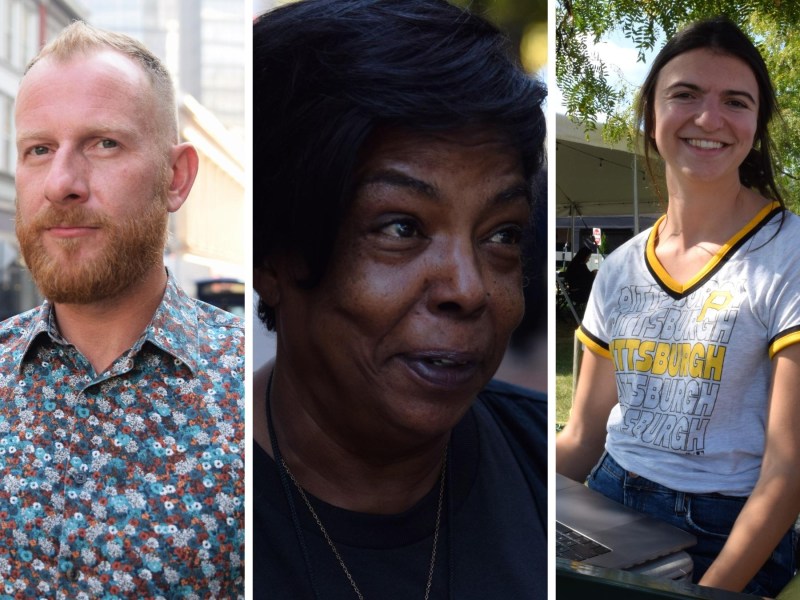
(619, 537)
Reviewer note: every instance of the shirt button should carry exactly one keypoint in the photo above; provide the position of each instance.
(71, 574)
(79, 478)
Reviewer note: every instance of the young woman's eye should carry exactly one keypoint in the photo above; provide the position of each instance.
(509, 236)
(405, 228)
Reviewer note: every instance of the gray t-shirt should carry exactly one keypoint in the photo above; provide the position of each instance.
(693, 361)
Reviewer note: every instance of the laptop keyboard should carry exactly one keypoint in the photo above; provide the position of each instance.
(573, 545)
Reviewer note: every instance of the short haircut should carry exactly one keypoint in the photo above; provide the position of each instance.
(721, 35)
(329, 73)
(81, 38)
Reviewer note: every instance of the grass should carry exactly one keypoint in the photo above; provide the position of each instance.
(565, 331)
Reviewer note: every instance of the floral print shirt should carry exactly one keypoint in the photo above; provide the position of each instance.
(128, 483)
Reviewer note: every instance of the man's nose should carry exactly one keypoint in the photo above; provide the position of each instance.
(67, 177)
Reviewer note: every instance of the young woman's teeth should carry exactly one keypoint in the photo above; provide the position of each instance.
(706, 144)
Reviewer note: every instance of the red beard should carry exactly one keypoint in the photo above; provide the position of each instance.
(130, 247)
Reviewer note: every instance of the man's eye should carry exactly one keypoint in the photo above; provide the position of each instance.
(108, 144)
(39, 150)
(401, 229)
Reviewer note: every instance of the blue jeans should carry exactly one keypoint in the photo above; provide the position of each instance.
(709, 517)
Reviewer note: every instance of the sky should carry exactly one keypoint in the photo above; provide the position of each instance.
(619, 54)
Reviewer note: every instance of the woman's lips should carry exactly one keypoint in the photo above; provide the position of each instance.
(444, 369)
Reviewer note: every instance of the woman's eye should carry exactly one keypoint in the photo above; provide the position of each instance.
(509, 236)
(401, 229)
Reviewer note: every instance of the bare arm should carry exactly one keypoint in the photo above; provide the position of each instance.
(775, 501)
(581, 443)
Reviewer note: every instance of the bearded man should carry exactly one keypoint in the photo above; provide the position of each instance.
(121, 399)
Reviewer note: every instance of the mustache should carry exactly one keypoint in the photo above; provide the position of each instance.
(73, 216)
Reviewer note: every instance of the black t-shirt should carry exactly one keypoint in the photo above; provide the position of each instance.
(492, 541)
(580, 280)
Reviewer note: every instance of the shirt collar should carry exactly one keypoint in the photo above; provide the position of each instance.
(173, 327)
(41, 321)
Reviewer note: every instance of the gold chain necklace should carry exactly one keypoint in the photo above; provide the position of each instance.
(333, 546)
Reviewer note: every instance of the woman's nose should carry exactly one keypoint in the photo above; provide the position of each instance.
(709, 116)
(458, 283)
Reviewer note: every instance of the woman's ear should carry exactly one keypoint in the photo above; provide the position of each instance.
(265, 282)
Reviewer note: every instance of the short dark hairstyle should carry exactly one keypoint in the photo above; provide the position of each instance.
(720, 34)
(328, 73)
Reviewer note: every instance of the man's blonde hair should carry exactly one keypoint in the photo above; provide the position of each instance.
(81, 38)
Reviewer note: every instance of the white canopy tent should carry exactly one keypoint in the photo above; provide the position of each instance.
(598, 184)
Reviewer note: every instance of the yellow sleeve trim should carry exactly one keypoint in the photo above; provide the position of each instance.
(592, 344)
(784, 342)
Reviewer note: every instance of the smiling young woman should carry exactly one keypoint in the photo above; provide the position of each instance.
(686, 405)
(706, 111)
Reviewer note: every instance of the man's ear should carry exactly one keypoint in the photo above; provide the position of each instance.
(183, 164)
(265, 283)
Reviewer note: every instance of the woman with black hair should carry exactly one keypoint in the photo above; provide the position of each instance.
(690, 385)
(395, 147)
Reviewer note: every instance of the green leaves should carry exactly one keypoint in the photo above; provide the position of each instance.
(592, 95)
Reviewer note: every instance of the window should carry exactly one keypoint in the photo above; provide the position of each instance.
(5, 30)
(6, 116)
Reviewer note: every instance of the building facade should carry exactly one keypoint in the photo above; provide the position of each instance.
(25, 25)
